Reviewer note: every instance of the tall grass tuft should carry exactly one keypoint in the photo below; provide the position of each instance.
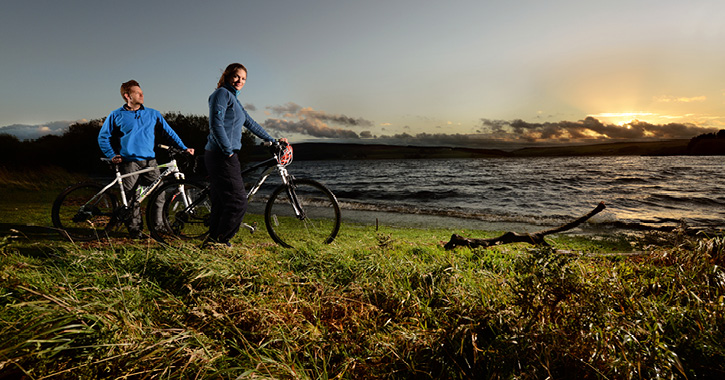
(375, 304)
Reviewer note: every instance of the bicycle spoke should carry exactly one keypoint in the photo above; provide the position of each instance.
(313, 218)
(176, 215)
(80, 219)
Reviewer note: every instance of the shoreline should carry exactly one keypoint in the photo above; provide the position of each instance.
(429, 221)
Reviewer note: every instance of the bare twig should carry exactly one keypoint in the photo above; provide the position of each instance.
(536, 238)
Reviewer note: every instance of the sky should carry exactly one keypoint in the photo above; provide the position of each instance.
(474, 73)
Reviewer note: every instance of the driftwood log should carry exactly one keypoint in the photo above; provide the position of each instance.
(536, 238)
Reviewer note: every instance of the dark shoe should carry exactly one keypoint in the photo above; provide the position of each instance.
(135, 234)
(163, 231)
(205, 243)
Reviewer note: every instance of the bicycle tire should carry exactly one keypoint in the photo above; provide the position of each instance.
(177, 222)
(320, 222)
(94, 222)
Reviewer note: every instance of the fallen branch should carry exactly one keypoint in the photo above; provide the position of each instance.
(536, 238)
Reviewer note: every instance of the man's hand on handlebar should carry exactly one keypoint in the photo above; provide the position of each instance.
(117, 158)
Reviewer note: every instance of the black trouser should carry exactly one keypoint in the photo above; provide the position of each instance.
(228, 197)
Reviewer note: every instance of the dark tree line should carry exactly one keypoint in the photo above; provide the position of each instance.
(77, 149)
(708, 144)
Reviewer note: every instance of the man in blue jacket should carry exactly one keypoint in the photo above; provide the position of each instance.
(127, 137)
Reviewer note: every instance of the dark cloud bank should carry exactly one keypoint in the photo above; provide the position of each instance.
(292, 118)
(313, 123)
(493, 133)
(589, 129)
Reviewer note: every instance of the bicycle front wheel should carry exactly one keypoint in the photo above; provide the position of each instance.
(303, 212)
(179, 210)
(78, 217)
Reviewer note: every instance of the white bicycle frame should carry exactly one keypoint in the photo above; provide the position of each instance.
(263, 177)
(171, 168)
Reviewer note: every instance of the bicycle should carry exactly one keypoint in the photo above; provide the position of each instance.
(88, 210)
(297, 212)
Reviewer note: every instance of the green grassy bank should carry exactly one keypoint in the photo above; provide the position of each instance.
(384, 303)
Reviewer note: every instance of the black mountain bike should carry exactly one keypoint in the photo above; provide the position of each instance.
(298, 211)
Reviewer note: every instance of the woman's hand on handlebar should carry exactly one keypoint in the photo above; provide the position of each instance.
(190, 151)
(277, 142)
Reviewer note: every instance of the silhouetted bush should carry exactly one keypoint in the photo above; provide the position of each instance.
(707, 144)
(10, 147)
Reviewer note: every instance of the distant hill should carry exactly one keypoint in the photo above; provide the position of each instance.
(650, 148)
(334, 151)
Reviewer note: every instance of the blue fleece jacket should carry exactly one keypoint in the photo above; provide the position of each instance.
(226, 118)
(131, 134)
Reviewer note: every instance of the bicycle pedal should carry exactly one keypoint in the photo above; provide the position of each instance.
(251, 228)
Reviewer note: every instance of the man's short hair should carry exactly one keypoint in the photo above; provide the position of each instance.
(126, 88)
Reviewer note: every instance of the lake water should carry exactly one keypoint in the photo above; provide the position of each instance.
(650, 191)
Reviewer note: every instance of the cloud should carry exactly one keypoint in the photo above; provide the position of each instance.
(511, 134)
(588, 129)
(292, 110)
(287, 110)
(309, 127)
(314, 123)
(309, 113)
(681, 99)
(31, 132)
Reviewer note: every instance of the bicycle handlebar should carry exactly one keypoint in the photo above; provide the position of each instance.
(172, 149)
(276, 143)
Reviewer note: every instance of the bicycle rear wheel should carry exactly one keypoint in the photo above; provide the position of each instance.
(319, 221)
(79, 219)
(173, 214)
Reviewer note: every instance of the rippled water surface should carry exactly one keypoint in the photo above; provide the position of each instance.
(645, 190)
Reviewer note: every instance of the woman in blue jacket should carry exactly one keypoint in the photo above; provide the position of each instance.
(226, 119)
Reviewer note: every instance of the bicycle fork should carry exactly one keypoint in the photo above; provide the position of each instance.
(182, 217)
(291, 193)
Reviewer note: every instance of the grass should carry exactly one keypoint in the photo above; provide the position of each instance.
(27, 195)
(376, 303)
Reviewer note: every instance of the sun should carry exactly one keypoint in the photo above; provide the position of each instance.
(623, 118)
